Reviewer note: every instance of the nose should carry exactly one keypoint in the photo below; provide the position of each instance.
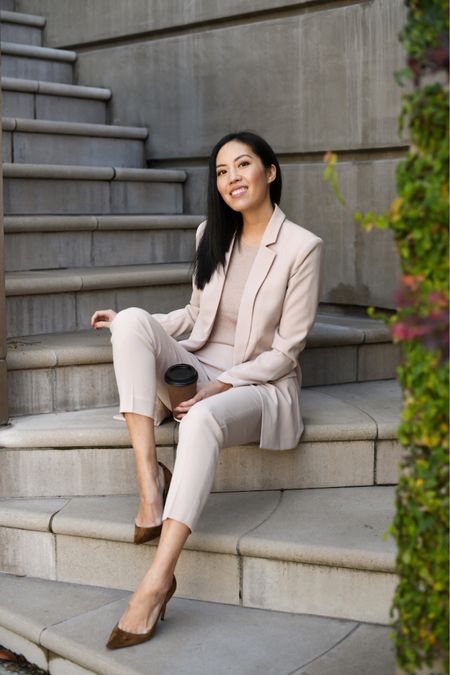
(234, 175)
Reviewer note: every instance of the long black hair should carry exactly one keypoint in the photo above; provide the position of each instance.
(223, 223)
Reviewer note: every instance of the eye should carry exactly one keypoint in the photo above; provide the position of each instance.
(244, 162)
(220, 172)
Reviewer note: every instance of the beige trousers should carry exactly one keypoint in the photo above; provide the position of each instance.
(142, 352)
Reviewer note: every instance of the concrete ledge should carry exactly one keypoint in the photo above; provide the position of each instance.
(29, 514)
(74, 172)
(90, 347)
(73, 128)
(370, 330)
(73, 370)
(326, 417)
(63, 349)
(37, 224)
(54, 88)
(157, 175)
(87, 452)
(32, 51)
(339, 565)
(381, 401)
(79, 429)
(70, 624)
(23, 19)
(328, 527)
(20, 645)
(335, 527)
(60, 172)
(148, 222)
(22, 612)
(63, 281)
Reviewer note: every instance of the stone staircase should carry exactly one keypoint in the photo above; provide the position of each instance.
(87, 226)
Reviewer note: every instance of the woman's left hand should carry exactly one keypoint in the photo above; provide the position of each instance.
(209, 389)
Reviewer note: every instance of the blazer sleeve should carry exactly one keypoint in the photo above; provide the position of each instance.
(297, 318)
(182, 320)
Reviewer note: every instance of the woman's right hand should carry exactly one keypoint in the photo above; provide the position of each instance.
(103, 318)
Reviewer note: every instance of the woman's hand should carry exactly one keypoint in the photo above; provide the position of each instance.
(209, 389)
(103, 318)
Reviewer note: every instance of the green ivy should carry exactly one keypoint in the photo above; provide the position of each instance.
(418, 218)
(425, 27)
(421, 521)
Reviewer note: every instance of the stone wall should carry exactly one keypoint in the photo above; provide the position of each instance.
(3, 369)
(308, 76)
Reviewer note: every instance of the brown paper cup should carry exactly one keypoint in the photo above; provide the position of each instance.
(181, 380)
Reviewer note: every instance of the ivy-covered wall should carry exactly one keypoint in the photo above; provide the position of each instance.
(419, 220)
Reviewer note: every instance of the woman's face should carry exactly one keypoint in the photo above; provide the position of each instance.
(242, 179)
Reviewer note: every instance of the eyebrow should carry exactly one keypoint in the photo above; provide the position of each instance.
(235, 160)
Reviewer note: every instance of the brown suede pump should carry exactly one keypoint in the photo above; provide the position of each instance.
(143, 534)
(120, 638)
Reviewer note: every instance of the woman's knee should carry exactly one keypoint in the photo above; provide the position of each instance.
(200, 423)
(130, 315)
(132, 320)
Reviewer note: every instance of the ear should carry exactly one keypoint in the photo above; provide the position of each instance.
(271, 173)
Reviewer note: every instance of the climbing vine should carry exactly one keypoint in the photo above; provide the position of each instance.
(418, 218)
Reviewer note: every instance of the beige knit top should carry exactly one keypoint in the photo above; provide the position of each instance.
(217, 354)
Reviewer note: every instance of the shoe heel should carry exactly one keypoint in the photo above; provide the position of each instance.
(167, 479)
(169, 595)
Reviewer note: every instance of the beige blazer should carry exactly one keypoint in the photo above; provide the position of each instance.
(277, 310)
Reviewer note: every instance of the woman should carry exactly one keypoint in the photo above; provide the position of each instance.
(255, 295)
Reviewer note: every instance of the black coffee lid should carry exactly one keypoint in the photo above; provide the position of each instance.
(180, 375)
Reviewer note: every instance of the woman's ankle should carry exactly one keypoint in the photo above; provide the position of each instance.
(151, 496)
(152, 585)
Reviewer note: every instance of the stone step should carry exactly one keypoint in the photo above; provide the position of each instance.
(64, 300)
(52, 142)
(37, 63)
(33, 99)
(319, 552)
(54, 242)
(38, 189)
(337, 351)
(63, 628)
(349, 440)
(21, 28)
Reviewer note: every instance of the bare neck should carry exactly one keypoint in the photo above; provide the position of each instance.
(255, 223)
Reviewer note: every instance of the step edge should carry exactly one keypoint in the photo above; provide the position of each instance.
(56, 127)
(54, 88)
(98, 437)
(22, 18)
(66, 280)
(269, 548)
(322, 556)
(21, 356)
(113, 223)
(16, 622)
(94, 661)
(44, 53)
(79, 172)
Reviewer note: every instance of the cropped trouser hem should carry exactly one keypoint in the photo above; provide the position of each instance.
(142, 352)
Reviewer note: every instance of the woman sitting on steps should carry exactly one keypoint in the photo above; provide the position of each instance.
(255, 296)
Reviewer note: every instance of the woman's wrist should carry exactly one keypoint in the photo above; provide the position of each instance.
(224, 385)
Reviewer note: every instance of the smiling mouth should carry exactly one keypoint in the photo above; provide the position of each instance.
(238, 192)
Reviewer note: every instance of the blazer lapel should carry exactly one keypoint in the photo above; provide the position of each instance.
(259, 271)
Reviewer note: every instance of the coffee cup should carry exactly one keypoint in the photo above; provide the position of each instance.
(181, 380)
